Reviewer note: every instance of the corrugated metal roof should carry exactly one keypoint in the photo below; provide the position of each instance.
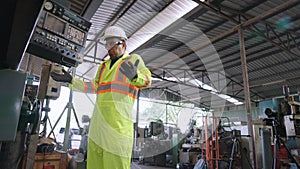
(140, 12)
(104, 15)
(269, 67)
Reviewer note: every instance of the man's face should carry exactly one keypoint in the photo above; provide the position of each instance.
(115, 47)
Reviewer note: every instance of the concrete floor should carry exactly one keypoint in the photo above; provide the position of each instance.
(135, 165)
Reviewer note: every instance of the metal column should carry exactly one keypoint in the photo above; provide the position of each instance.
(67, 129)
(247, 97)
(136, 127)
(70, 107)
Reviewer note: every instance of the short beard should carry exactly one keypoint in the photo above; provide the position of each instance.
(113, 54)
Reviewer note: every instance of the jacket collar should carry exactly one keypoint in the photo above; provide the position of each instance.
(125, 56)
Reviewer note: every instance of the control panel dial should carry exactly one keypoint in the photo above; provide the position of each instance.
(48, 5)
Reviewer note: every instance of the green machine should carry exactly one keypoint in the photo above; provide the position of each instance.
(19, 116)
(12, 87)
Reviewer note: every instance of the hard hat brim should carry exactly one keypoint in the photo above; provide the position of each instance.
(103, 38)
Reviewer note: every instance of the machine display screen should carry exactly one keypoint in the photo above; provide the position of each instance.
(156, 128)
(75, 35)
(54, 24)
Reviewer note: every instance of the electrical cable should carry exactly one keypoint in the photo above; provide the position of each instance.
(245, 150)
(20, 158)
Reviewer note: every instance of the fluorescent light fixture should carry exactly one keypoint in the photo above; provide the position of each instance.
(171, 79)
(197, 82)
(215, 91)
(224, 96)
(230, 99)
(161, 21)
(203, 85)
(238, 103)
(156, 79)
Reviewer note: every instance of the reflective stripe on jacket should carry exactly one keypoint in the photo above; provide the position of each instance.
(113, 75)
(111, 126)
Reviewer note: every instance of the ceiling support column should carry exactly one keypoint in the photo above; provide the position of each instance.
(247, 97)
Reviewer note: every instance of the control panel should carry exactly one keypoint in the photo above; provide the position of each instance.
(59, 35)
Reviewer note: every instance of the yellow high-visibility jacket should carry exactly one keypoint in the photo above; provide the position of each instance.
(111, 126)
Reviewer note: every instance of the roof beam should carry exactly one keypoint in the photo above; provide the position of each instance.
(266, 67)
(227, 92)
(278, 74)
(248, 23)
(260, 19)
(247, 48)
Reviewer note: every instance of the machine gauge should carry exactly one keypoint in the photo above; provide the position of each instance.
(48, 5)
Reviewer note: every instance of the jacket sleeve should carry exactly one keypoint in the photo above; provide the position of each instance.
(143, 79)
(86, 87)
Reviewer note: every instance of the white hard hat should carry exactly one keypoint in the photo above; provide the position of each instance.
(114, 31)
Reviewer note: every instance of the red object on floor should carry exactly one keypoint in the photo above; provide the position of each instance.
(49, 167)
(281, 154)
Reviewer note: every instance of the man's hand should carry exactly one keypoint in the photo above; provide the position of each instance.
(66, 77)
(129, 70)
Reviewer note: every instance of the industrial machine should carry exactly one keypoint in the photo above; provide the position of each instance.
(155, 145)
(48, 30)
(20, 116)
(284, 117)
(190, 151)
(59, 35)
(213, 145)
